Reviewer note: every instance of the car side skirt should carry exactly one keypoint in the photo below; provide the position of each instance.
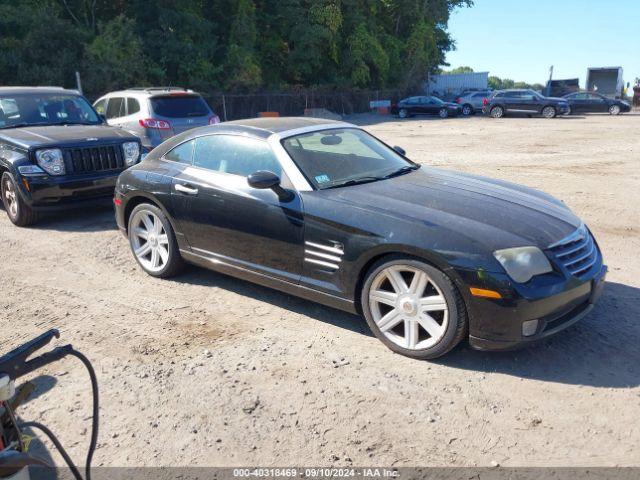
(269, 281)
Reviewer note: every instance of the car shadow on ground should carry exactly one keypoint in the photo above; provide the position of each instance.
(199, 276)
(94, 219)
(602, 350)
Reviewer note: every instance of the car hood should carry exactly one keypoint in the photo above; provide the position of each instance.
(494, 213)
(61, 135)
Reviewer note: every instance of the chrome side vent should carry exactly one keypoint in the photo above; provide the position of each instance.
(326, 256)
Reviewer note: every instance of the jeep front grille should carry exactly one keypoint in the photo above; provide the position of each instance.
(93, 159)
(577, 252)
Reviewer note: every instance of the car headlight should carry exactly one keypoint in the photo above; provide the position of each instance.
(51, 161)
(131, 152)
(523, 263)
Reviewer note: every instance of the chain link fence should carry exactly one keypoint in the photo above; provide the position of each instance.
(236, 106)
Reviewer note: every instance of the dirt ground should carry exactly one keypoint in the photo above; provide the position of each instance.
(210, 370)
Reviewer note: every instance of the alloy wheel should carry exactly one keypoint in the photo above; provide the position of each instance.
(614, 109)
(466, 110)
(548, 112)
(10, 199)
(402, 113)
(497, 112)
(443, 113)
(149, 240)
(408, 307)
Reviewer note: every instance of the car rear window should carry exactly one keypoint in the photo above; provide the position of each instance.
(179, 106)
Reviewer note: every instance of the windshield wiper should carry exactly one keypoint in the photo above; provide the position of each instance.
(355, 181)
(402, 171)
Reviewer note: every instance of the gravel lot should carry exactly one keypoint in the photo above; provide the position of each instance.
(209, 370)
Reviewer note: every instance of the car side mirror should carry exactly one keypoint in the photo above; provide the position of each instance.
(264, 179)
(400, 150)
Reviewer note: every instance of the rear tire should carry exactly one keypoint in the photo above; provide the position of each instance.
(467, 110)
(17, 210)
(497, 112)
(413, 308)
(403, 113)
(153, 242)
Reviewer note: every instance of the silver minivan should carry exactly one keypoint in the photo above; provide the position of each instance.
(155, 114)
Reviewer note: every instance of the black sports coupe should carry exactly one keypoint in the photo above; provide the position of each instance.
(326, 211)
(593, 102)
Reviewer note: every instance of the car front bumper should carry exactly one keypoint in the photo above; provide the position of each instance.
(498, 324)
(50, 193)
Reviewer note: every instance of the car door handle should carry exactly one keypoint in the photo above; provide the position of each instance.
(186, 189)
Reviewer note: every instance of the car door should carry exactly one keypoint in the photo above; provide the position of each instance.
(526, 102)
(225, 219)
(578, 102)
(596, 103)
(431, 107)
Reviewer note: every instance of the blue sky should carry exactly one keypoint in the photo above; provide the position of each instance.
(521, 39)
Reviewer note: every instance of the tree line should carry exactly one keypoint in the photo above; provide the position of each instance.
(231, 45)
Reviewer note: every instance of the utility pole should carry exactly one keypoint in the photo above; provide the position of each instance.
(78, 83)
(549, 82)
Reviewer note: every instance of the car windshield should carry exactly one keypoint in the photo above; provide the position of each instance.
(179, 106)
(340, 157)
(28, 109)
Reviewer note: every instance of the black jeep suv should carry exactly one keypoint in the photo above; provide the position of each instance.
(527, 102)
(56, 152)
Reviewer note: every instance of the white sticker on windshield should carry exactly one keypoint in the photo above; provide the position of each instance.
(322, 178)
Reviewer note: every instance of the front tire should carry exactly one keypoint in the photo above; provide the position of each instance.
(549, 112)
(413, 308)
(614, 110)
(443, 113)
(17, 210)
(467, 110)
(153, 242)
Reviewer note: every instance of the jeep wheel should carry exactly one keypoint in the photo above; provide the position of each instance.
(413, 308)
(497, 112)
(18, 212)
(549, 112)
(153, 242)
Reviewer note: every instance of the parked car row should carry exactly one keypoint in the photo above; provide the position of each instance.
(316, 208)
(500, 103)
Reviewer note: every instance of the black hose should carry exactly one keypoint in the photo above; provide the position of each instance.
(96, 411)
(94, 424)
(58, 445)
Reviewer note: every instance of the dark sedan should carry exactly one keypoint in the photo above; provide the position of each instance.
(411, 106)
(326, 211)
(592, 102)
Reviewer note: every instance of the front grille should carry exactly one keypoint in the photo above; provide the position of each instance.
(577, 253)
(93, 159)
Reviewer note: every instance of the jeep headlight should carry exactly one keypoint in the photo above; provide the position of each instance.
(523, 263)
(51, 161)
(131, 152)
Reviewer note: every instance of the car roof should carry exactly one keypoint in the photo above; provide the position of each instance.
(151, 91)
(21, 89)
(271, 125)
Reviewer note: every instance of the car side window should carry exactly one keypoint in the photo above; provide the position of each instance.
(183, 153)
(99, 106)
(235, 154)
(115, 107)
(133, 106)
